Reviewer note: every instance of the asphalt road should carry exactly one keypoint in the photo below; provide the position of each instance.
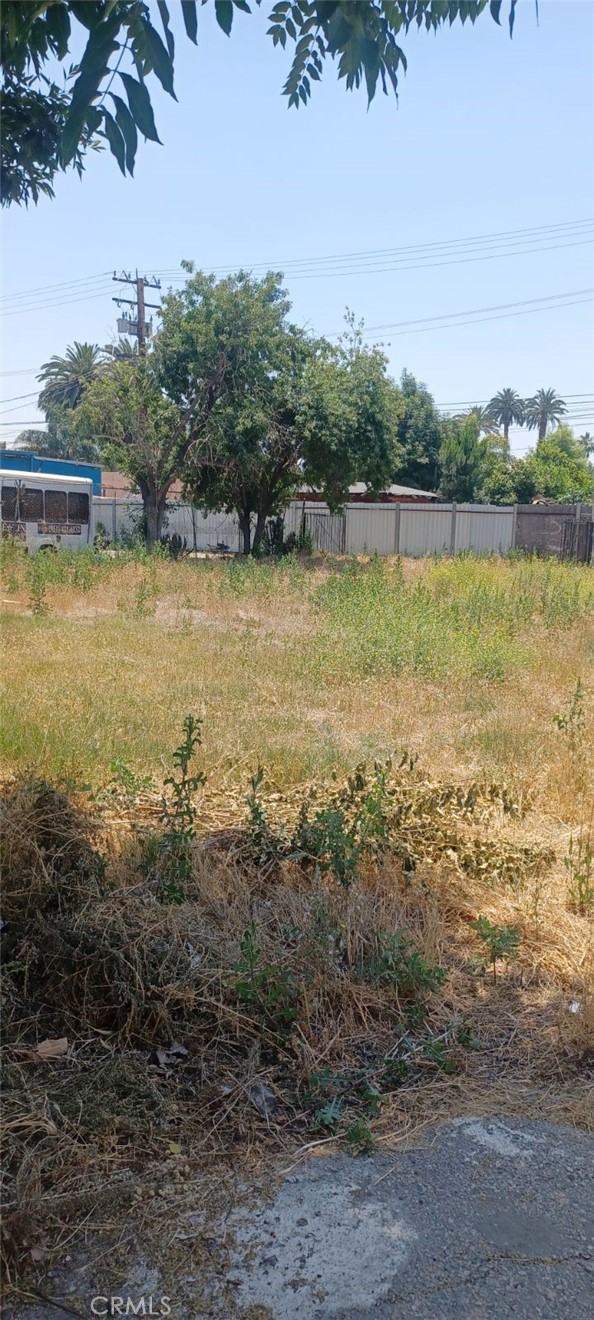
(486, 1218)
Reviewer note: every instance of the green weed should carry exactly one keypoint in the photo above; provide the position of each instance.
(335, 839)
(167, 856)
(501, 942)
(268, 990)
(359, 1137)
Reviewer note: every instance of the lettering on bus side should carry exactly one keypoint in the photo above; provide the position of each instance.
(58, 529)
(14, 529)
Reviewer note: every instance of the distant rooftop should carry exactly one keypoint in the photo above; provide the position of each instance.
(359, 492)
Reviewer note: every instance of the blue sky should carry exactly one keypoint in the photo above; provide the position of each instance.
(489, 136)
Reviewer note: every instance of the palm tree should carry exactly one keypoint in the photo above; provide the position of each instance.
(123, 350)
(506, 409)
(544, 407)
(65, 377)
(486, 420)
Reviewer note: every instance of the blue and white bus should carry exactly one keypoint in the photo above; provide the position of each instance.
(46, 512)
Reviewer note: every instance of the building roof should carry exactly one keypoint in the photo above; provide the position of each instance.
(360, 488)
(360, 491)
(45, 478)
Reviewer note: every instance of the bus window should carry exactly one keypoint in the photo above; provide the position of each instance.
(32, 504)
(78, 506)
(55, 505)
(9, 502)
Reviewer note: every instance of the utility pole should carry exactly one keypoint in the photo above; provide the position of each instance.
(140, 311)
(137, 326)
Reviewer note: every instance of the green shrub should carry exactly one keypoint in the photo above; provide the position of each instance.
(167, 854)
(272, 992)
(500, 941)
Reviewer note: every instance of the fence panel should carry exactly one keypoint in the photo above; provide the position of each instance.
(425, 529)
(328, 530)
(201, 531)
(483, 528)
(371, 528)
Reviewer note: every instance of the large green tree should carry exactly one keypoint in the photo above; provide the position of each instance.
(556, 468)
(138, 430)
(419, 435)
(293, 410)
(462, 460)
(497, 485)
(544, 409)
(50, 121)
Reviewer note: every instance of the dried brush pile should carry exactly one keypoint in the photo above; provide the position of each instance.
(268, 968)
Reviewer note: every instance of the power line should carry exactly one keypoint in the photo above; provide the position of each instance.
(513, 235)
(323, 274)
(309, 267)
(32, 395)
(64, 284)
(459, 403)
(432, 265)
(448, 260)
(496, 307)
(64, 302)
(526, 311)
(532, 233)
(21, 371)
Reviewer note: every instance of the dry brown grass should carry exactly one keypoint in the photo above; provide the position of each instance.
(93, 957)
(117, 663)
(496, 795)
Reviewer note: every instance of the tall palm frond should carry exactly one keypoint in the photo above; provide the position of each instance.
(543, 409)
(64, 378)
(507, 409)
(123, 350)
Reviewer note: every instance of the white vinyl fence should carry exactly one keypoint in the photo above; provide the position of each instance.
(387, 529)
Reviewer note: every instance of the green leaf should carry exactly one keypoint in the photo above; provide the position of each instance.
(127, 128)
(159, 57)
(495, 7)
(140, 107)
(115, 139)
(190, 18)
(164, 12)
(224, 15)
(86, 14)
(57, 23)
(93, 68)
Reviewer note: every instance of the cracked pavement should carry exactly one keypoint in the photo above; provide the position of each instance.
(484, 1217)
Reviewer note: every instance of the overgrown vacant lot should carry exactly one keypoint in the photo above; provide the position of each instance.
(304, 668)
(378, 907)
